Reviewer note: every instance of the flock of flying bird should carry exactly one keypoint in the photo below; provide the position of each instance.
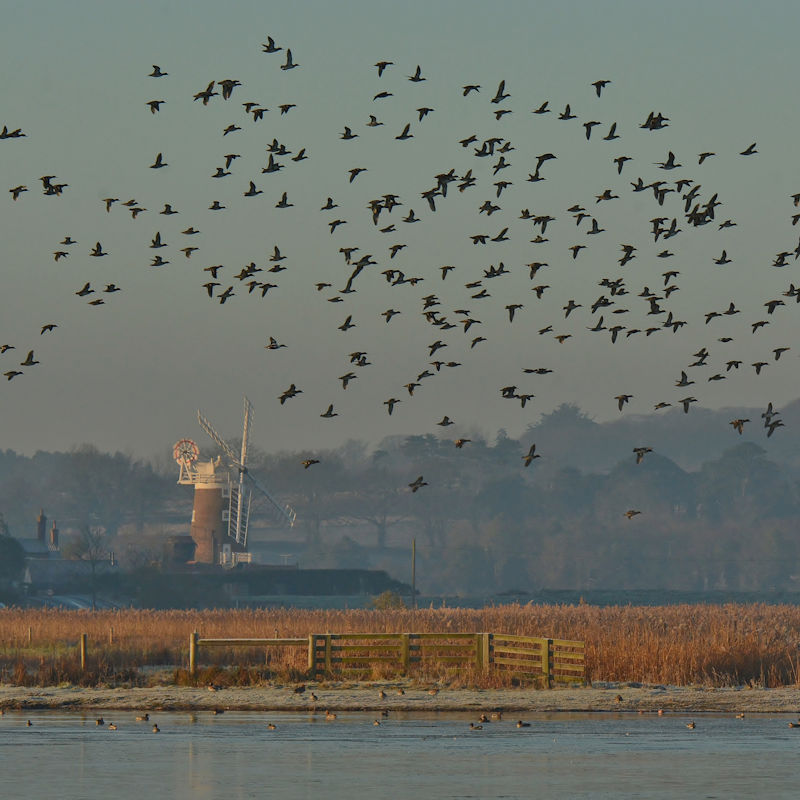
(618, 311)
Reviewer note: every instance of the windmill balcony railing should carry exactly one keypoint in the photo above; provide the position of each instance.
(199, 477)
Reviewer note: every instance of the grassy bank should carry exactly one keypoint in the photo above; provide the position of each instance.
(714, 645)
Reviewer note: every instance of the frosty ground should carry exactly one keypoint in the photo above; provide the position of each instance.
(406, 696)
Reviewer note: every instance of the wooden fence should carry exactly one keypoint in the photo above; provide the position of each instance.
(548, 661)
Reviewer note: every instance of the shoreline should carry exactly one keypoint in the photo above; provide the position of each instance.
(636, 698)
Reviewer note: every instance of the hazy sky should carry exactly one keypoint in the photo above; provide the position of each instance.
(130, 373)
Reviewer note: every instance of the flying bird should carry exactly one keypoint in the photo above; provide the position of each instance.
(622, 399)
(270, 46)
(640, 453)
(290, 64)
(530, 455)
(417, 484)
(738, 425)
(600, 85)
(291, 392)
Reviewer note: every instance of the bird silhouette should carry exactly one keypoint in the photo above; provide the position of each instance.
(530, 455)
(641, 452)
(289, 393)
(417, 484)
(622, 399)
(600, 85)
(290, 64)
(270, 46)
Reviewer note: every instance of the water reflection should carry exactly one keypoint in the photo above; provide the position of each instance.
(236, 755)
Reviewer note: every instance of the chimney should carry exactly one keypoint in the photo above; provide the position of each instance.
(54, 537)
(41, 524)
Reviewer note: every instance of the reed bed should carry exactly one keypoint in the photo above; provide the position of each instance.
(713, 645)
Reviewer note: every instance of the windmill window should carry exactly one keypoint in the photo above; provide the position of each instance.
(225, 515)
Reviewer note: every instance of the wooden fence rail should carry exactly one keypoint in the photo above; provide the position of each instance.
(548, 661)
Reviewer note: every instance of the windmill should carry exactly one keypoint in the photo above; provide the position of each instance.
(218, 531)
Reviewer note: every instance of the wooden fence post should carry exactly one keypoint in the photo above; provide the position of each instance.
(312, 655)
(193, 653)
(328, 664)
(545, 644)
(82, 646)
(405, 652)
(486, 650)
(111, 635)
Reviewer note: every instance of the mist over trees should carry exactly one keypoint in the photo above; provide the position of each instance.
(717, 510)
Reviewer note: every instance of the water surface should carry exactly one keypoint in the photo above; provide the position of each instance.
(421, 755)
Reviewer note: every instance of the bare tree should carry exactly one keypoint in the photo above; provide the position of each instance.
(90, 545)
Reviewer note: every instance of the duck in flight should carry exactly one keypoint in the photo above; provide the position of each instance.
(417, 484)
(530, 455)
(290, 64)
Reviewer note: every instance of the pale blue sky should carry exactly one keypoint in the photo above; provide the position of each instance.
(129, 374)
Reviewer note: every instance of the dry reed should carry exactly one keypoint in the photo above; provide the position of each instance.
(715, 645)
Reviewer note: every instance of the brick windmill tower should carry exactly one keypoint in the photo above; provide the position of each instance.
(223, 495)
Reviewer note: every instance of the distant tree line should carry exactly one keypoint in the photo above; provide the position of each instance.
(717, 510)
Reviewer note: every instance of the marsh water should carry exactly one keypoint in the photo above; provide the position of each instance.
(432, 755)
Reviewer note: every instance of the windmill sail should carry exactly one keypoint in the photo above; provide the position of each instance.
(285, 512)
(240, 495)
